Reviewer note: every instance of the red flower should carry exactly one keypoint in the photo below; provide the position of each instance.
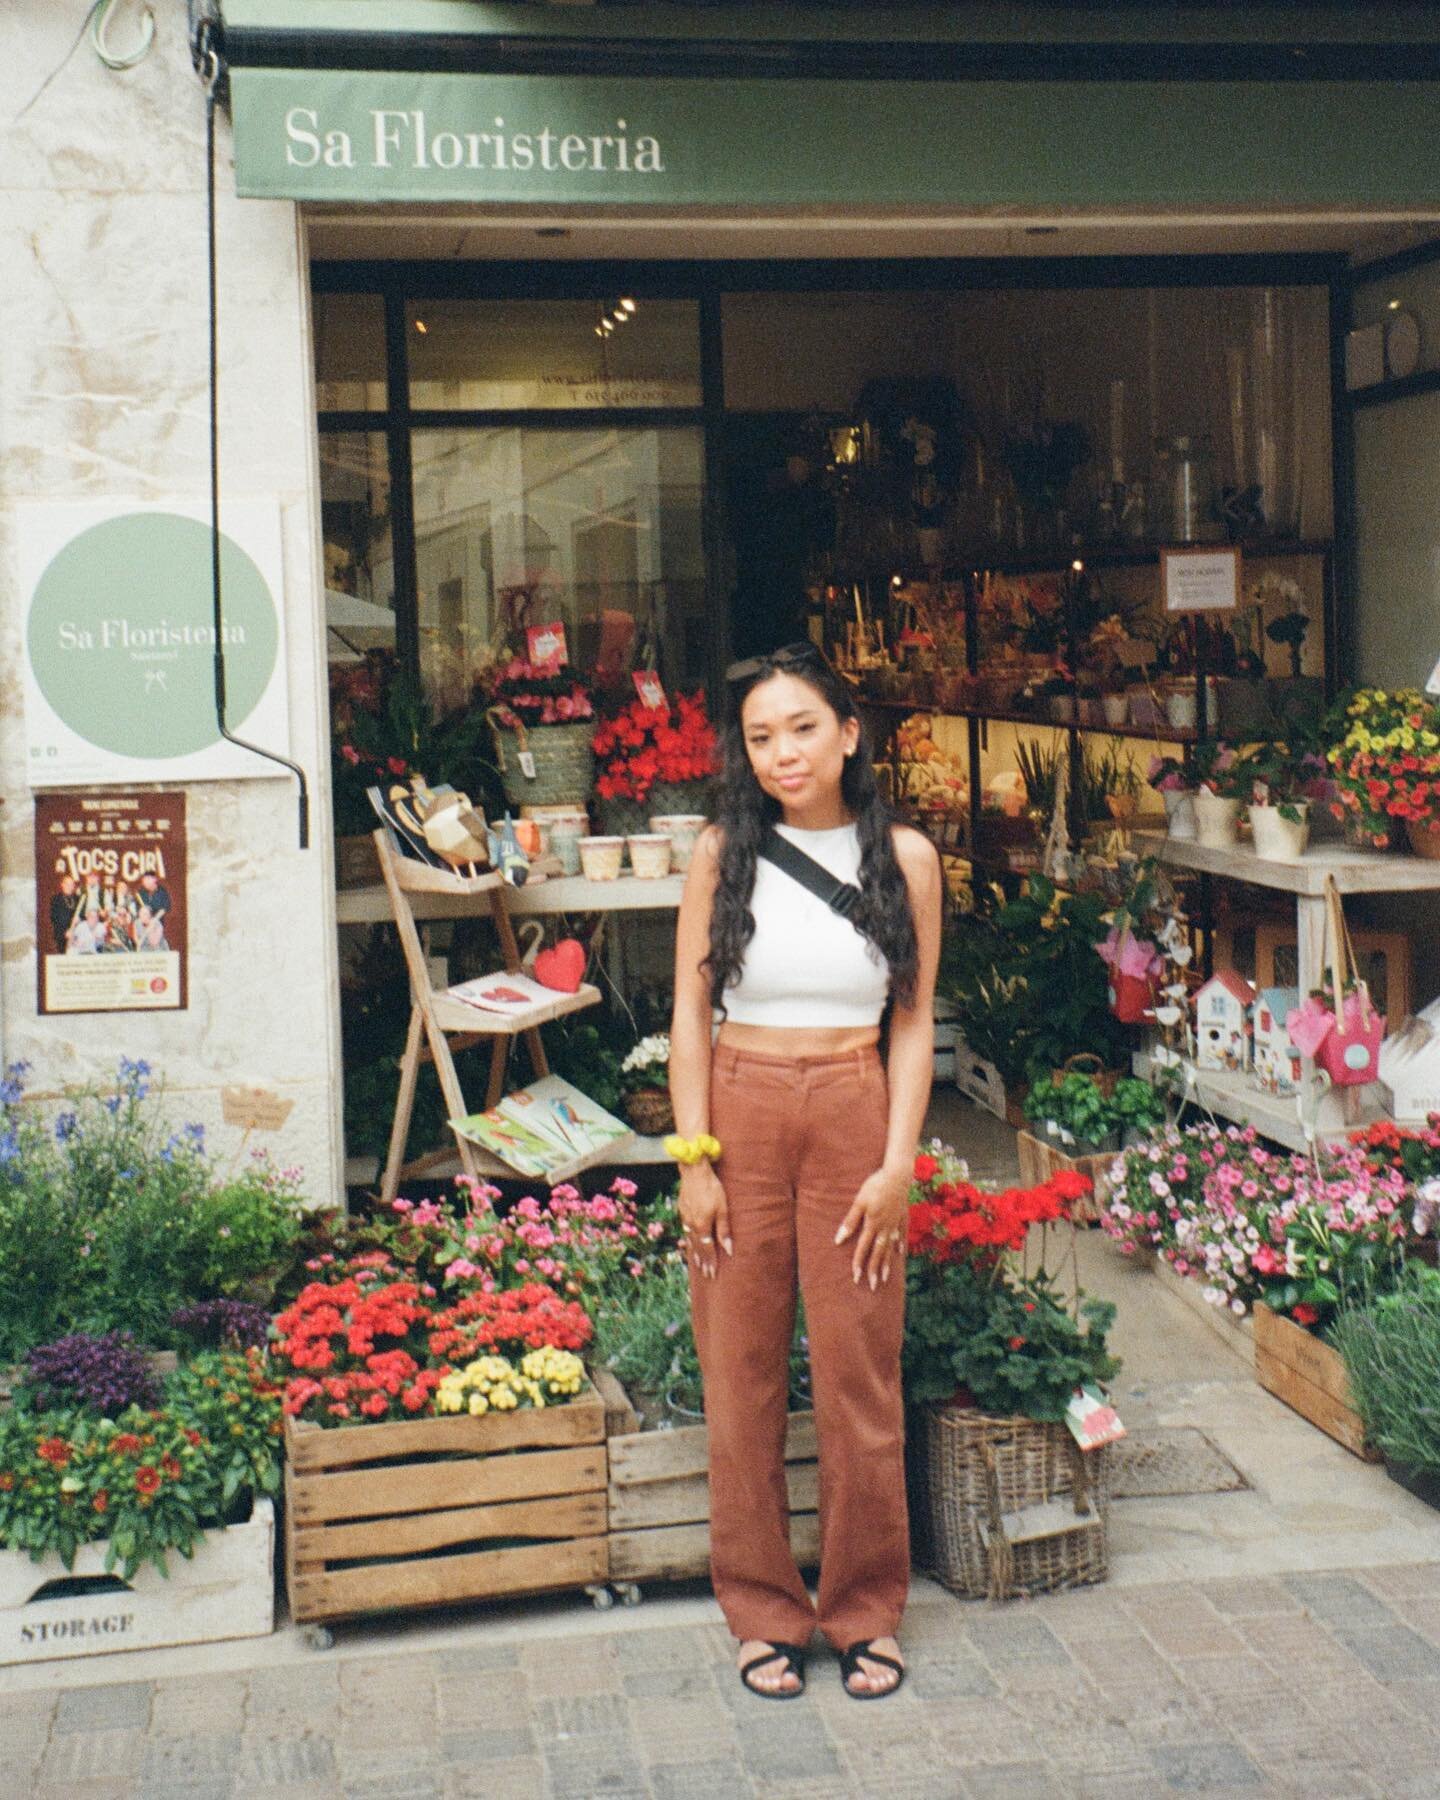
(124, 1443)
(1017, 1343)
(170, 1468)
(147, 1479)
(1304, 1313)
(54, 1450)
(7, 1481)
(926, 1167)
(101, 1502)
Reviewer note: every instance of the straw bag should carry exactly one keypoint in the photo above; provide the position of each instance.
(1345, 1034)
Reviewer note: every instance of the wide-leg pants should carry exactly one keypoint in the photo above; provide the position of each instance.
(799, 1136)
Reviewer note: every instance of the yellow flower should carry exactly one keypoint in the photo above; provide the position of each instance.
(478, 1405)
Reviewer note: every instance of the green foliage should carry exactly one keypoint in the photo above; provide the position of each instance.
(109, 1222)
(1012, 1343)
(1077, 1103)
(1028, 988)
(645, 1337)
(1391, 1351)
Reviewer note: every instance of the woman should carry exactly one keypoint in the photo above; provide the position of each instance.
(795, 1157)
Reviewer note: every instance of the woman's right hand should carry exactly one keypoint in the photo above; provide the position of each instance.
(704, 1216)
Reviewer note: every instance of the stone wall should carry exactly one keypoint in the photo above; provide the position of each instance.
(103, 394)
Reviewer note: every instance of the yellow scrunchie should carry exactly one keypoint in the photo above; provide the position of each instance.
(692, 1150)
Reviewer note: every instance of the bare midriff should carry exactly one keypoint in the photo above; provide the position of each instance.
(797, 1040)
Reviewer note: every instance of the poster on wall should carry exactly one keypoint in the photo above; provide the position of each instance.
(120, 642)
(110, 902)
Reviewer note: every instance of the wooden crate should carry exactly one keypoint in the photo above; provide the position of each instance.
(226, 1590)
(1309, 1376)
(1039, 1161)
(659, 1494)
(425, 1512)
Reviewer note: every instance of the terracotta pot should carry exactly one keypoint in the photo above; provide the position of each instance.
(1424, 841)
(1216, 820)
(1279, 839)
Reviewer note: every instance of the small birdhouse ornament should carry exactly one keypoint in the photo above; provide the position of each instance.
(1276, 1061)
(1222, 1022)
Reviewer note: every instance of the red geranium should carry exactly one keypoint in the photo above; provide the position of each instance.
(644, 744)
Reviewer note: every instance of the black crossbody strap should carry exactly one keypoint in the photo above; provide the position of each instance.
(839, 896)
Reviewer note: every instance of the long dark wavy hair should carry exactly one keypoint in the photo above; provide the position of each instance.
(745, 812)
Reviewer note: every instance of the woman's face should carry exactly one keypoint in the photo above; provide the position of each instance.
(796, 742)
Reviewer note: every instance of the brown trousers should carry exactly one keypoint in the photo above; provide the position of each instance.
(799, 1136)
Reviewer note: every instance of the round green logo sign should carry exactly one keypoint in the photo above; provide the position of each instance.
(122, 635)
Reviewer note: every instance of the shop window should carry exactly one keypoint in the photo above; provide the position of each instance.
(359, 556)
(598, 527)
(571, 355)
(349, 352)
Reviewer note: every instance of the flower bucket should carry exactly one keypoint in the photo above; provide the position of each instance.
(601, 857)
(560, 755)
(1179, 815)
(1216, 819)
(649, 856)
(1279, 839)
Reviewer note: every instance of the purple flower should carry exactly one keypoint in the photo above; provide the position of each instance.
(223, 1323)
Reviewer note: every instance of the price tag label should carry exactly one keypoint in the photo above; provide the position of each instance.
(1093, 1421)
(527, 764)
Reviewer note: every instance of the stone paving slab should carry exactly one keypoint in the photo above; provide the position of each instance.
(1324, 1685)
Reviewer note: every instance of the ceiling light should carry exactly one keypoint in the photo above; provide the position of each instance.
(627, 307)
(1394, 305)
(421, 327)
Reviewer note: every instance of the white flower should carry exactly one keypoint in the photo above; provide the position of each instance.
(648, 1053)
(1238, 1308)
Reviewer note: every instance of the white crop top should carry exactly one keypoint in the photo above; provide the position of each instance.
(805, 965)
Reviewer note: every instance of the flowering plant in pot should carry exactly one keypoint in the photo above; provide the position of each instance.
(654, 759)
(977, 1328)
(1220, 789)
(1391, 1351)
(644, 1085)
(1283, 782)
(78, 1466)
(1385, 762)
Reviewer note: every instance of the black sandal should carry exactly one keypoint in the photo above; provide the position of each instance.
(794, 1659)
(850, 1665)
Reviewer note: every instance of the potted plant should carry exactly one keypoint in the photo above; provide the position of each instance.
(1391, 1352)
(992, 1357)
(1282, 781)
(654, 760)
(1219, 790)
(104, 1473)
(1139, 1109)
(1385, 762)
(1175, 781)
(644, 1086)
(1076, 1111)
(542, 720)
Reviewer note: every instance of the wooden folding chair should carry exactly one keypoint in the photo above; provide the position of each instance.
(444, 1023)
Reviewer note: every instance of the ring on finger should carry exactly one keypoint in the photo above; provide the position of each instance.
(707, 1241)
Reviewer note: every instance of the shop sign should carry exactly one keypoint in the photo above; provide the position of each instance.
(1194, 581)
(367, 136)
(120, 642)
(111, 922)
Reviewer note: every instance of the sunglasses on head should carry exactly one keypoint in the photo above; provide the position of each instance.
(788, 656)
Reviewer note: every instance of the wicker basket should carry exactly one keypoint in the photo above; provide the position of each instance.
(564, 762)
(649, 1111)
(994, 1528)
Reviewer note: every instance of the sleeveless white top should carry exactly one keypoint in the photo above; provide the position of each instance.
(806, 966)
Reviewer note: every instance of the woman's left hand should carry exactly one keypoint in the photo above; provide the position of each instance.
(877, 1221)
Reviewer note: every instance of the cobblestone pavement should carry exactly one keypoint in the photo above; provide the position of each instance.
(1317, 1685)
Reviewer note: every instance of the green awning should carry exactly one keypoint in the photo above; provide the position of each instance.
(964, 107)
